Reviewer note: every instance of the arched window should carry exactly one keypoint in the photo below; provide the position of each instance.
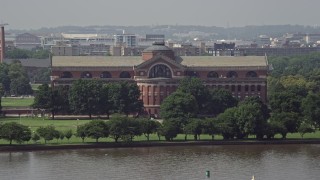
(213, 74)
(125, 74)
(192, 74)
(232, 74)
(251, 74)
(105, 74)
(66, 74)
(160, 71)
(86, 74)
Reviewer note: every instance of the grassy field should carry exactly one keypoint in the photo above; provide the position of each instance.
(16, 101)
(64, 125)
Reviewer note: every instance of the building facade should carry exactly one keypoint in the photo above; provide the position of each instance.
(158, 73)
(27, 41)
(127, 40)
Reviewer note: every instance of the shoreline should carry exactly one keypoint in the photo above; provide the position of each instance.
(104, 145)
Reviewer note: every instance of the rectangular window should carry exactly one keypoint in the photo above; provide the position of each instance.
(239, 87)
(259, 87)
(253, 87)
(246, 87)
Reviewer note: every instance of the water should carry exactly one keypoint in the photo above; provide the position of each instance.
(272, 162)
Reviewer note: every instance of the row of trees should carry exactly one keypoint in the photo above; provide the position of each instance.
(26, 54)
(90, 97)
(19, 133)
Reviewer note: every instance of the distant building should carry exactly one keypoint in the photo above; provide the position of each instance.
(155, 37)
(149, 39)
(224, 49)
(85, 39)
(48, 41)
(64, 50)
(158, 73)
(263, 41)
(290, 51)
(187, 49)
(127, 40)
(27, 41)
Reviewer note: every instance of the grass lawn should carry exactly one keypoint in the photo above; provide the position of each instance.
(64, 125)
(16, 101)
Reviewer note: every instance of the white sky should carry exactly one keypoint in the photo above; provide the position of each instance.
(31, 14)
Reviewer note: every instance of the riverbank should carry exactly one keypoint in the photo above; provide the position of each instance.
(45, 147)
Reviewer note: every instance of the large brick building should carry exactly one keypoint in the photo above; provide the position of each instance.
(159, 71)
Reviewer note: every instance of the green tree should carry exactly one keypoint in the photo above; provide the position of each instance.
(124, 128)
(57, 135)
(97, 129)
(43, 98)
(275, 127)
(158, 130)
(68, 134)
(60, 100)
(35, 137)
(195, 87)
(194, 126)
(47, 133)
(82, 132)
(53, 100)
(106, 101)
(210, 127)
(305, 128)
(252, 115)
(62, 135)
(220, 100)
(170, 129)
(4, 77)
(148, 127)
(227, 124)
(85, 97)
(179, 105)
(126, 98)
(311, 108)
(19, 81)
(13, 131)
(287, 122)
(18, 54)
(1, 94)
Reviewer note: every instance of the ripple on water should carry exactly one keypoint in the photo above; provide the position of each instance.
(287, 162)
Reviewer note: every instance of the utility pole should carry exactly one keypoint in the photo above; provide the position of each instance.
(2, 42)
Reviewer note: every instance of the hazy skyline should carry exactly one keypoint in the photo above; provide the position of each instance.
(33, 14)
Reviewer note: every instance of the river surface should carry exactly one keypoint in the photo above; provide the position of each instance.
(265, 162)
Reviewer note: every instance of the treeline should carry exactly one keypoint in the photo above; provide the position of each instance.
(17, 53)
(90, 97)
(294, 92)
(14, 79)
(19, 133)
